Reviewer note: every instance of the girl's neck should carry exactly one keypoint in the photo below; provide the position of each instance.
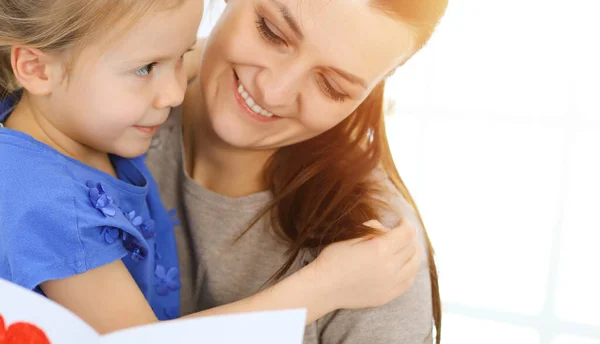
(217, 166)
(30, 117)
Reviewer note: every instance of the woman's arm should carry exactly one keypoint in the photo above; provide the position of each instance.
(108, 298)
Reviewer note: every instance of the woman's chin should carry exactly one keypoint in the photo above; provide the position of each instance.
(242, 139)
(233, 135)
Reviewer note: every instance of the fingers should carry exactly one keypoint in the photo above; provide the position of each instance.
(408, 272)
(376, 225)
(381, 229)
(404, 286)
(405, 255)
(401, 242)
(402, 236)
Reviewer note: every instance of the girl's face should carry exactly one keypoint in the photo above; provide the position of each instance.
(277, 72)
(118, 92)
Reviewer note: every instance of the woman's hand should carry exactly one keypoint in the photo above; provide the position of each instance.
(369, 272)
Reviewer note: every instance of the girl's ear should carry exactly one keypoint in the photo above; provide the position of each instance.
(35, 70)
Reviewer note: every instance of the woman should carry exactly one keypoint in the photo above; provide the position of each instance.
(283, 151)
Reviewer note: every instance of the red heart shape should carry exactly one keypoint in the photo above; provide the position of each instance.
(22, 333)
(2, 329)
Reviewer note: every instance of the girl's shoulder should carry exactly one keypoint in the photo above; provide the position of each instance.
(29, 169)
(58, 217)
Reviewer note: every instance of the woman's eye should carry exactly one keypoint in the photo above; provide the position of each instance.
(331, 91)
(146, 70)
(267, 33)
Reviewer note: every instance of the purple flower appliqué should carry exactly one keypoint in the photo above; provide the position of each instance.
(167, 280)
(110, 234)
(138, 252)
(148, 229)
(100, 200)
(135, 220)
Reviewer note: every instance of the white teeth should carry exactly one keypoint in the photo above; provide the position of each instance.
(252, 103)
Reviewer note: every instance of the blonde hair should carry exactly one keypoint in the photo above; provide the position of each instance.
(60, 25)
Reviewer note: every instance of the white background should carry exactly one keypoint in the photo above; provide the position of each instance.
(496, 131)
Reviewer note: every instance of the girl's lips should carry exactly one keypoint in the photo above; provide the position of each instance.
(147, 130)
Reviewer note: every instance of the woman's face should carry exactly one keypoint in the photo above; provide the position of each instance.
(278, 72)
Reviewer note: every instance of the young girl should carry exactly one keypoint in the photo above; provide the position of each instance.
(90, 82)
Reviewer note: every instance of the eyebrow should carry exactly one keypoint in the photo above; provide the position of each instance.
(350, 77)
(289, 18)
(293, 24)
(165, 57)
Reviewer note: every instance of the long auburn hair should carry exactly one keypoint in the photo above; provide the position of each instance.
(323, 190)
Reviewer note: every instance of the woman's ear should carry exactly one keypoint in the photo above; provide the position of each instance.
(35, 70)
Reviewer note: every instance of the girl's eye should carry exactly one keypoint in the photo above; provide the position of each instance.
(267, 32)
(146, 70)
